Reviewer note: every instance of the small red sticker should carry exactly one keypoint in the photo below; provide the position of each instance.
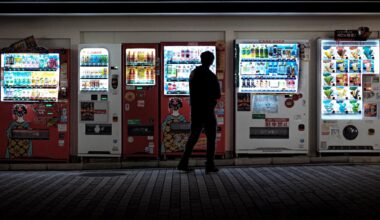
(295, 97)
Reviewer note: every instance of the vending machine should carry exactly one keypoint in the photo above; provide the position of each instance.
(178, 60)
(271, 97)
(35, 107)
(140, 100)
(99, 96)
(349, 96)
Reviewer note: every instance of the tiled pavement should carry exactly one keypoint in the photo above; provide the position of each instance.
(257, 192)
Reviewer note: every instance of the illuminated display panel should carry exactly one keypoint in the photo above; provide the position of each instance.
(343, 65)
(30, 77)
(94, 70)
(179, 61)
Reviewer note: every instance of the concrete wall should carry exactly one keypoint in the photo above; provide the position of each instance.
(68, 32)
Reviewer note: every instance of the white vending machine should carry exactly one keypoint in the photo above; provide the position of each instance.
(271, 97)
(349, 96)
(99, 96)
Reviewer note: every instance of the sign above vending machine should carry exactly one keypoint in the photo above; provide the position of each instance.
(360, 34)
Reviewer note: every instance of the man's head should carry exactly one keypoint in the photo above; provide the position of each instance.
(207, 58)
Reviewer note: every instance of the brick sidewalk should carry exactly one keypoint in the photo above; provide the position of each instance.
(267, 192)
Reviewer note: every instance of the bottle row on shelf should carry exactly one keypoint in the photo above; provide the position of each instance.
(185, 54)
(94, 60)
(252, 83)
(349, 66)
(31, 61)
(140, 75)
(146, 56)
(30, 94)
(30, 79)
(178, 72)
(348, 52)
(180, 88)
(94, 84)
(91, 72)
(289, 69)
(282, 51)
(342, 93)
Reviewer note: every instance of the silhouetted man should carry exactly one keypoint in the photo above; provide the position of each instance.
(204, 93)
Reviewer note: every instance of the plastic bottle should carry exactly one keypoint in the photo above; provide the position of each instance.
(257, 52)
(253, 54)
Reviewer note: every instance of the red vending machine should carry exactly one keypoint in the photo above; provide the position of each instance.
(34, 105)
(178, 60)
(140, 100)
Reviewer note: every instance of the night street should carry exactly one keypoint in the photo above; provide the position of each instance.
(257, 192)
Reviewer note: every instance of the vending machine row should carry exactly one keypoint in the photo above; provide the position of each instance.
(153, 118)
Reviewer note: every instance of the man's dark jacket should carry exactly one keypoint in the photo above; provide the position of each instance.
(204, 89)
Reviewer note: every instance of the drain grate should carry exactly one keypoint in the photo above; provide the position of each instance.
(97, 174)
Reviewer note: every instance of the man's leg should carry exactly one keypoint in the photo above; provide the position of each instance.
(196, 128)
(210, 130)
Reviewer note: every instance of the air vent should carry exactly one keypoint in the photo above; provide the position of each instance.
(350, 148)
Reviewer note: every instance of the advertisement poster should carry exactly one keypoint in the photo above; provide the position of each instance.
(264, 104)
(87, 111)
(370, 110)
(244, 102)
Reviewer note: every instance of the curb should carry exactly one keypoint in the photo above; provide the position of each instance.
(262, 161)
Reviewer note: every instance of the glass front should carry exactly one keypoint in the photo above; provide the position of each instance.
(140, 66)
(268, 68)
(179, 61)
(343, 65)
(94, 70)
(30, 77)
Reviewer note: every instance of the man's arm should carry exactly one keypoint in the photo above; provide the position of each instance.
(217, 88)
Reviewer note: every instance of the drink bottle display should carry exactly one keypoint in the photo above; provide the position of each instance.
(342, 67)
(179, 61)
(94, 70)
(140, 66)
(272, 63)
(30, 77)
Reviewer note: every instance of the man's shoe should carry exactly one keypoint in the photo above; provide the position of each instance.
(185, 169)
(212, 169)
